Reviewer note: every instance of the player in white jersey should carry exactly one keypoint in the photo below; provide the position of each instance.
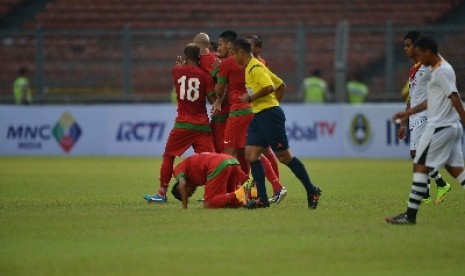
(418, 78)
(440, 145)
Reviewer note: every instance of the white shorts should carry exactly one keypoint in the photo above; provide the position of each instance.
(415, 133)
(439, 146)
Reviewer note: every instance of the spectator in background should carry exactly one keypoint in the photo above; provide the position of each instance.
(356, 89)
(314, 88)
(21, 90)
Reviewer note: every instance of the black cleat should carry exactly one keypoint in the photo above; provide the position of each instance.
(256, 203)
(401, 219)
(313, 199)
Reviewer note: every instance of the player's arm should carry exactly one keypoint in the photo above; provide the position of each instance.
(220, 88)
(264, 79)
(458, 105)
(403, 115)
(183, 192)
(280, 91)
(279, 83)
(211, 95)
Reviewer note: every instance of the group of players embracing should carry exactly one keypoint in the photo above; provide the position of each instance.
(245, 132)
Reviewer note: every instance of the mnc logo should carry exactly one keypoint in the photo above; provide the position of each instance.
(66, 132)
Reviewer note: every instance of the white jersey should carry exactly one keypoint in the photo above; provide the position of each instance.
(418, 80)
(440, 110)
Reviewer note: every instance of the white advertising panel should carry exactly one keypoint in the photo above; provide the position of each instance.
(369, 131)
(314, 130)
(332, 130)
(85, 130)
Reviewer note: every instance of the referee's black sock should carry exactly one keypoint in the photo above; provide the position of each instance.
(301, 173)
(258, 174)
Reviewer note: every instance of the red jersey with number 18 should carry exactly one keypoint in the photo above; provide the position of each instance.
(192, 86)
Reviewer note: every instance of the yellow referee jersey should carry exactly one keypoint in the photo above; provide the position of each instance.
(258, 76)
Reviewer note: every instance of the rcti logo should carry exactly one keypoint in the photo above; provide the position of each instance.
(66, 132)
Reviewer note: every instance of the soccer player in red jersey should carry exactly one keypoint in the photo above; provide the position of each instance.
(191, 127)
(209, 62)
(221, 175)
(230, 74)
(230, 77)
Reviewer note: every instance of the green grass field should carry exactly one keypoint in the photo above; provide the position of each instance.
(86, 216)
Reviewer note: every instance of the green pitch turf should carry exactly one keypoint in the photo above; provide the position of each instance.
(86, 216)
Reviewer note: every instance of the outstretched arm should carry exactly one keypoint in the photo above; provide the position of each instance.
(458, 105)
(183, 192)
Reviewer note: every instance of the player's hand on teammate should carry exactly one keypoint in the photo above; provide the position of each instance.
(216, 107)
(246, 98)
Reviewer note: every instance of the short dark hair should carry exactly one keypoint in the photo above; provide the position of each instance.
(316, 72)
(257, 40)
(192, 52)
(413, 35)
(175, 192)
(214, 45)
(427, 42)
(242, 43)
(229, 36)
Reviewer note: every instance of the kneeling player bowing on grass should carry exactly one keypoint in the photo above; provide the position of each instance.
(221, 175)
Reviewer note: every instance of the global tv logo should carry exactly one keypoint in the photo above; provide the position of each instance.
(66, 132)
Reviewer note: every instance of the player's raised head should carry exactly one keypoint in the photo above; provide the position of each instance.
(229, 36)
(256, 40)
(413, 35)
(201, 39)
(242, 44)
(192, 52)
(427, 42)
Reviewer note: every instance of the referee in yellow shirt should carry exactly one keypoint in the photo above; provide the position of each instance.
(267, 128)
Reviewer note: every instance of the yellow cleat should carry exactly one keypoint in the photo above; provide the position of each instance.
(240, 195)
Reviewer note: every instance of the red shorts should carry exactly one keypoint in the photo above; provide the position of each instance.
(218, 135)
(181, 139)
(227, 181)
(235, 133)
